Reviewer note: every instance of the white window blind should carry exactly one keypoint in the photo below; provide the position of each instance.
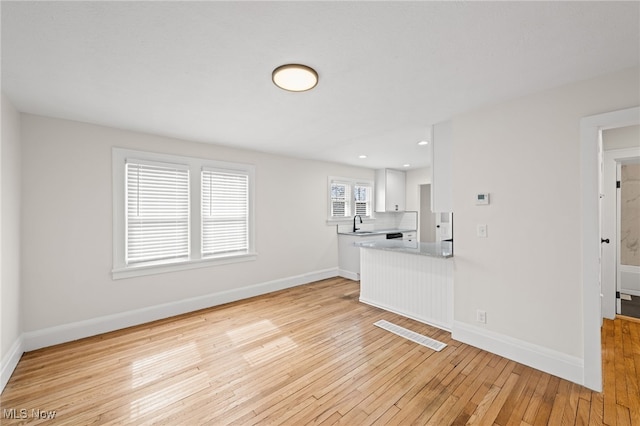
(157, 211)
(340, 199)
(362, 195)
(225, 212)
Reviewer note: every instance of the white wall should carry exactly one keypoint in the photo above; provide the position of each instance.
(527, 274)
(67, 218)
(10, 315)
(621, 137)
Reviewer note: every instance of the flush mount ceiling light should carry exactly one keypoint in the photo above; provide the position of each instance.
(422, 143)
(362, 156)
(295, 77)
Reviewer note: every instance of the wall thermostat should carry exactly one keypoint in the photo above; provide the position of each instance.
(482, 199)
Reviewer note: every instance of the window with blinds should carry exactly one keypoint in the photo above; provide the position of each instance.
(225, 212)
(157, 211)
(350, 197)
(340, 200)
(362, 197)
(173, 213)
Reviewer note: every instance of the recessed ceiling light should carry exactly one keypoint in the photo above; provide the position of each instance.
(422, 143)
(406, 165)
(362, 156)
(295, 77)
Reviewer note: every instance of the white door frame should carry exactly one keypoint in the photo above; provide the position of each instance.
(590, 128)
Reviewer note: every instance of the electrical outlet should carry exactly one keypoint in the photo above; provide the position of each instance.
(481, 316)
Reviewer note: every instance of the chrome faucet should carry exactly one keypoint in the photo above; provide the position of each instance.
(354, 222)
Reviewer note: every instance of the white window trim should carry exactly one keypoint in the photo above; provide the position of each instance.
(353, 182)
(120, 268)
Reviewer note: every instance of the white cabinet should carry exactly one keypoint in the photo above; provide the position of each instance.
(409, 236)
(441, 167)
(349, 255)
(390, 190)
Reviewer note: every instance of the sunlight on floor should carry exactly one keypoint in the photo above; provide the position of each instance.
(269, 350)
(154, 367)
(252, 331)
(146, 371)
(156, 402)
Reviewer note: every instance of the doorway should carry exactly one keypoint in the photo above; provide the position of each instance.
(620, 209)
(434, 227)
(427, 217)
(590, 132)
(628, 264)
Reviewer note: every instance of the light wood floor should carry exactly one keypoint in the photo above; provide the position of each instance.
(307, 355)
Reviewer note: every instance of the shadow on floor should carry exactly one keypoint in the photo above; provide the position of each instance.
(631, 308)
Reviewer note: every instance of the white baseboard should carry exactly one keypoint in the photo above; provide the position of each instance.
(553, 362)
(81, 329)
(9, 362)
(349, 275)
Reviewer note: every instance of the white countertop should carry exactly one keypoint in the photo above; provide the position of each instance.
(441, 249)
(376, 232)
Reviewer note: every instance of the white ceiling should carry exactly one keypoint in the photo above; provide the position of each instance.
(388, 70)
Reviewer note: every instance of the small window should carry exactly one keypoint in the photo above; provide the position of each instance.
(349, 197)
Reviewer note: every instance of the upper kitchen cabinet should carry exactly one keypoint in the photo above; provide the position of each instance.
(441, 167)
(390, 190)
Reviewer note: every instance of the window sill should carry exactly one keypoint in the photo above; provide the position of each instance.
(349, 220)
(141, 270)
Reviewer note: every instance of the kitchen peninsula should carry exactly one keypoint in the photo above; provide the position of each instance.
(401, 225)
(410, 278)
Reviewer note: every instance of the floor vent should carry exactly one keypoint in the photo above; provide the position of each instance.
(411, 335)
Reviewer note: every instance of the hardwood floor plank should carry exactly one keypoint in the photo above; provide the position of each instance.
(497, 404)
(571, 410)
(560, 402)
(632, 374)
(513, 397)
(385, 418)
(596, 409)
(544, 411)
(618, 365)
(308, 355)
(582, 415)
(519, 412)
(609, 373)
(483, 405)
(536, 399)
(623, 417)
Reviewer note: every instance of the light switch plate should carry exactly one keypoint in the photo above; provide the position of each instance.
(482, 231)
